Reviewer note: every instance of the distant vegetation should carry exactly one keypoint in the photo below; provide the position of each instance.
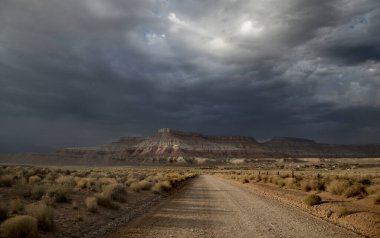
(347, 185)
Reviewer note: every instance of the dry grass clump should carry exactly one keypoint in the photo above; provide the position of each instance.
(58, 194)
(141, 185)
(3, 211)
(338, 186)
(16, 205)
(376, 198)
(373, 189)
(34, 179)
(67, 181)
(312, 200)
(244, 180)
(19, 226)
(354, 190)
(117, 192)
(44, 215)
(342, 212)
(6, 180)
(106, 202)
(37, 191)
(92, 204)
(160, 187)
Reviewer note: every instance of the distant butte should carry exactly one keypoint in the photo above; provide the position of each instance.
(173, 146)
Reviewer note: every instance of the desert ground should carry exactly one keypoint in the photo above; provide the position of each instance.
(286, 199)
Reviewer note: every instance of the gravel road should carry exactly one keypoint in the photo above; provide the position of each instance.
(210, 207)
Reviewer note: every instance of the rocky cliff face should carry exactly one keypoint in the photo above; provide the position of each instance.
(180, 146)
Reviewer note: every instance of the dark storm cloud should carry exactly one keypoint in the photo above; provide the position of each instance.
(78, 73)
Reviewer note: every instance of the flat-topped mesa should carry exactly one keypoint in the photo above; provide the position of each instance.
(175, 132)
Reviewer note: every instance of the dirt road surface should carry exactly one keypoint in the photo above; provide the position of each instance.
(210, 207)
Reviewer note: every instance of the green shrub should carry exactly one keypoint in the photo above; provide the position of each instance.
(19, 226)
(91, 204)
(44, 215)
(312, 200)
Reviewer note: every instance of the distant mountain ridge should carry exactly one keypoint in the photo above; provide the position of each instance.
(184, 147)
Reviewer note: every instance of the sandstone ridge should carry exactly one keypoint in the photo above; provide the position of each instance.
(185, 147)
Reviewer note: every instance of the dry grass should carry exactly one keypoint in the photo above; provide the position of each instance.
(117, 192)
(141, 185)
(6, 180)
(19, 226)
(16, 205)
(160, 187)
(342, 212)
(3, 211)
(312, 200)
(92, 204)
(338, 186)
(106, 202)
(44, 191)
(44, 215)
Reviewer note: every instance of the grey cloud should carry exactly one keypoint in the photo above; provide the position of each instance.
(87, 72)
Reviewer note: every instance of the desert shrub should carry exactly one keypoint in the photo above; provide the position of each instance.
(106, 202)
(3, 211)
(115, 192)
(44, 215)
(161, 187)
(342, 212)
(338, 186)
(82, 183)
(312, 199)
(279, 181)
(23, 190)
(37, 192)
(59, 194)
(354, 190)
(6, 180)
(67, 181)
(34, 179)
(365, 181)
(373, 189)
(305, 186)
(291, 183)
(141, 185)
(244, 180)
(74, 205)
(19, 226)
(376, 198)
(91, 204)
(16, 205)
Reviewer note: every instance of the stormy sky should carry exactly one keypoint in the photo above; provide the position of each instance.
(76, 73)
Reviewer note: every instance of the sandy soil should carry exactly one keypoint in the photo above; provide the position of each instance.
(210, 207)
